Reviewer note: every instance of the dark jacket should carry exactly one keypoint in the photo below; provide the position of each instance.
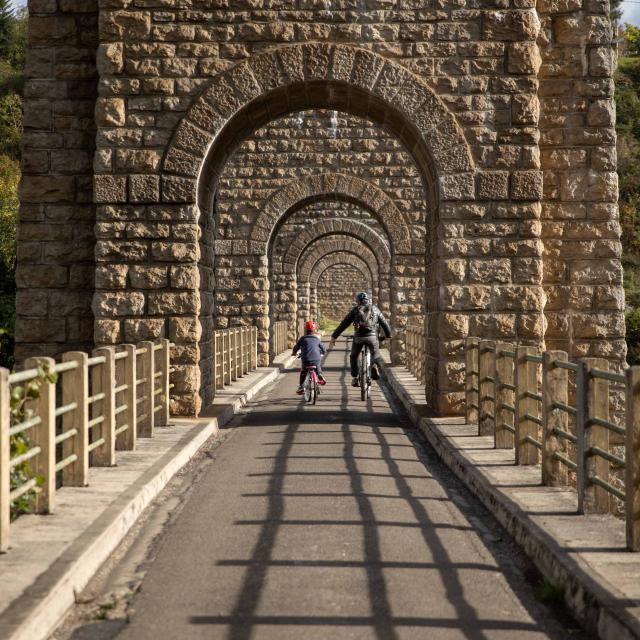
(378, 320)
(310, 347)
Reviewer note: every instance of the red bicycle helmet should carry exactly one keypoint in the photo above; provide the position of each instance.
(310, 325)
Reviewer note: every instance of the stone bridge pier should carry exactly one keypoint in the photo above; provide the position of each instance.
(191, 166)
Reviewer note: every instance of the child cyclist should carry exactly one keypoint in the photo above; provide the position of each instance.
(311, 351)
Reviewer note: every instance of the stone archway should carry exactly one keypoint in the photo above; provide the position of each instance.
(342, 250)
(299, 76)
(337, 186)
(343, 261)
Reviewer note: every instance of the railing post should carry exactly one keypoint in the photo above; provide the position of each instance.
(555, 389)
(592, 395)
(75, 389)
(505, 404)
(232, 355)
(254, 348)
(145, 385)
(632, 458)
(126, 440)
(526, 382)
(103, 379)
(472, 387)
(226, 347)
(5, 452)
(43, 435)
(486, 422)
(238, 333)
(162, 399)
(216, 360)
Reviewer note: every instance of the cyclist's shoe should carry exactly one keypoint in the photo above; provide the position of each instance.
(355, 382)
(375, 373)
(300, 390)
(321, 380)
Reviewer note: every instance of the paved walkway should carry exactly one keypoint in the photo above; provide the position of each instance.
(326, 522)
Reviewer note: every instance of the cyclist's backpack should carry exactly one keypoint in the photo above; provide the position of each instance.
(365, 318)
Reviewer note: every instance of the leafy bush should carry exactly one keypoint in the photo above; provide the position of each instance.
(20, 411)
(632, 320)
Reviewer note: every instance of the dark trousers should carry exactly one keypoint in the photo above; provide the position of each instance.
(303, 371)
(356, 348)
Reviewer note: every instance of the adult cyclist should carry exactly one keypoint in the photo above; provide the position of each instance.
(366, 318)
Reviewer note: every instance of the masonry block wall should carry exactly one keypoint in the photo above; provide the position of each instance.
(480, 140)
(56, 241)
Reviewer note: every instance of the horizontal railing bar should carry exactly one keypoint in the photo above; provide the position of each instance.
(489, 398)
(172, 369)
(534, 442)
(533, 358)
(508, 427)
(140, 400)
(94, 445)
(66, 435)
(157, 374)
(607, 375)
(142, 417)
(27, 486)
(96, 397)
(564, 407)
(66, 366)
(96, 360)
(25, 426)
(66, 408)
(18, 460)
(23, 376)
(563, 364)
(561, 433)
(121, 429)
(487, 379)
(533, 396)
(608, 487)
(95, 421)
(157, 347)
(507, 354)
(506, 385)
(528, 416)
(120, 409)
(121, 355)
(66, 462)
(158, 391)
(607, 425)
(157, 408)
(486, 349)
(473, 405)
(569, 463)
(597, 451)
(508, 407)
(489, 415)
(171, 385)
(141, 351)
(141, 381)
(121, 388)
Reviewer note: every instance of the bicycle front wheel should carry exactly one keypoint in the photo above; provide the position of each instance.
(363, 374)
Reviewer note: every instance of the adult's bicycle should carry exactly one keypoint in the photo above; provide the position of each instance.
(364, 372)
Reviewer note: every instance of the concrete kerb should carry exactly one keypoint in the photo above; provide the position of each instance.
(38, 605)
(584, 574)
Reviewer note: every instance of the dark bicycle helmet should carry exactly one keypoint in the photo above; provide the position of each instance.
(362, 298)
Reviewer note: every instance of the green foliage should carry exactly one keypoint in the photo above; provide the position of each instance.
(9, 178)
(632, 37)
(550, 593)
(20, 411)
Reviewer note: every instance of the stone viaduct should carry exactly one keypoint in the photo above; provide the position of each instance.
(192, 164)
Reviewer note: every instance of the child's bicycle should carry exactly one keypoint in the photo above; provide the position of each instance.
(311, 385)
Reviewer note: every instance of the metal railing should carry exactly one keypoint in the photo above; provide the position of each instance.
(521, 398)
(86, 409)
(235, 353)
(415, 351)
(279, 335)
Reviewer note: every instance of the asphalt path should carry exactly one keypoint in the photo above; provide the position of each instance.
(331, 521)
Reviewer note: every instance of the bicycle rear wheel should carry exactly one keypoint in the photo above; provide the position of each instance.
(307, 388)
(314, 391)
(363, 373)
